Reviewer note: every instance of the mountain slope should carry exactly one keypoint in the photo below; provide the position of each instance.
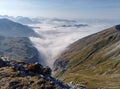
(18, 48)
(12, 29)
(93, 60)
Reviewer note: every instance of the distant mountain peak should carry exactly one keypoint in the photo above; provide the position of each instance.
(10, 28)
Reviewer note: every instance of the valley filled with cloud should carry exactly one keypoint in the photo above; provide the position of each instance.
(56, 34)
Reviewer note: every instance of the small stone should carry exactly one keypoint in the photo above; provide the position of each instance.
(31, 73)
(31, 82)
(14, 83)
(23, 74)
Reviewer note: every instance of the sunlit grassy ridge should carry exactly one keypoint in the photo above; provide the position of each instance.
(94, 60)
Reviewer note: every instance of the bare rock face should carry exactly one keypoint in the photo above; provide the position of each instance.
(36, 68)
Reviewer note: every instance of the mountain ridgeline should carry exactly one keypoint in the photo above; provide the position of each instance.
(93, 60)
(15, 43)
(12, 29)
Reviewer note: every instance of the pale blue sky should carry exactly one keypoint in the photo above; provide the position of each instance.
(62, 8)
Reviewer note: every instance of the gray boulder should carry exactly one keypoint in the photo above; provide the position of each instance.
(2, 63)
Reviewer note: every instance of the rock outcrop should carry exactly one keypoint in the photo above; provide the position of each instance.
(21, 75)
(2, 63)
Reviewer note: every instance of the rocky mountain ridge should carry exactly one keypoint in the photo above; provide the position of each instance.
(18, 48)
(21, 75)
(15, 43)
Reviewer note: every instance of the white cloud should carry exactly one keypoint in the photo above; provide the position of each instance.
(56, 38)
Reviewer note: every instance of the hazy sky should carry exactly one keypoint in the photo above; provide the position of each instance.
(61, 8)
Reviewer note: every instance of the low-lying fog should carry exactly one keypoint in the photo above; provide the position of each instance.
(56, 35)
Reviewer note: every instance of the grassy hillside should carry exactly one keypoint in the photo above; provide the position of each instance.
(93, 60)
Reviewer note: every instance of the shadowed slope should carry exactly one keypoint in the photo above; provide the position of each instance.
(9, 28)
(18, 48)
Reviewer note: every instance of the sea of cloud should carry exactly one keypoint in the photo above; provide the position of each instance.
(55, 35)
